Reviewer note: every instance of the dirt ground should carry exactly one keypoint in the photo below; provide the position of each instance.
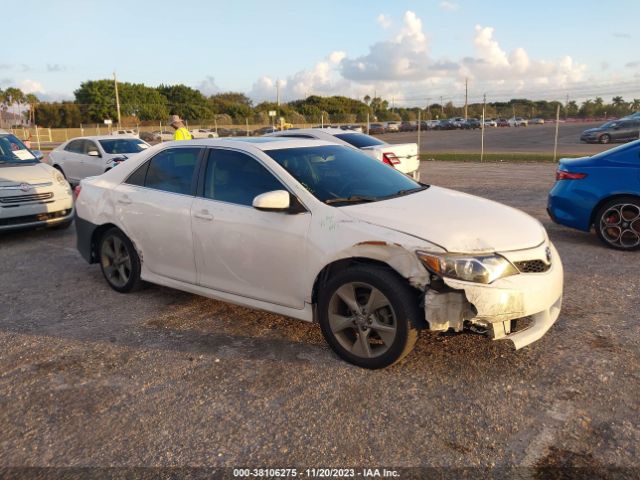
(160, 378)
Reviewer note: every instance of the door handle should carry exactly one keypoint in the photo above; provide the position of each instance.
(203, 215)
(124, 200)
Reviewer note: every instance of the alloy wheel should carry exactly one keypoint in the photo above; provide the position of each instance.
(116, 261)
(620, 225)
(362, 319)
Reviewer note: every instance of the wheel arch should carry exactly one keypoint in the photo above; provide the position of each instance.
(97, 235)
(604, 200)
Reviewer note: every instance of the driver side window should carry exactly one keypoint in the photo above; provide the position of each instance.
(234, 177)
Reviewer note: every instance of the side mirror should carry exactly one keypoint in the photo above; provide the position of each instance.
(38, 154)
(93, 153)
(274, 201)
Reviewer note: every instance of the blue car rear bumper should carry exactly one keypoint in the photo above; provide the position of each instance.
(569, 206)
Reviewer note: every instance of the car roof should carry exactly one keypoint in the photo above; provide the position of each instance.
(328, 131)
(261, 143)
(104, 137)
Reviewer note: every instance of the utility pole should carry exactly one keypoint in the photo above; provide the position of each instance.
(484, 106)
(466, 97)
(429, 107)
(555, 143)
(278, 102)
(441, 106)
(115, 82)
(566, 108)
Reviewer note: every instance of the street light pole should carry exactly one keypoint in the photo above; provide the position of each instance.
(115, 82)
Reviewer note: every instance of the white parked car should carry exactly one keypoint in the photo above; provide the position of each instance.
(517, 122)
(131, 133)
(32, 194)
(322, 233)
(402, 156)
(392, 126)
(88, 156)
(203, 133)
(490, 123)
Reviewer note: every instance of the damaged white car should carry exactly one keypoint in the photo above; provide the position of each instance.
(321, 232)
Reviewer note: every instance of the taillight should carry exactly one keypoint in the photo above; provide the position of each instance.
(77, 190)
(563, 175)
(390, 159)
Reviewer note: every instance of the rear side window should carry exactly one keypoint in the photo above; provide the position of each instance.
(235, 177)
(359, 140)
(75, 146)
(171, 170)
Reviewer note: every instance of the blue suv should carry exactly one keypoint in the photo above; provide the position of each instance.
(603, 191)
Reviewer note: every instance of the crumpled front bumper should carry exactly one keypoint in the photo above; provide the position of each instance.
(492, 307)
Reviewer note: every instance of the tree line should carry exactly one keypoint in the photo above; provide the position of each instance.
(139, 104)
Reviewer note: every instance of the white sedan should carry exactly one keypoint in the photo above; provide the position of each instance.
(322, 233)
(401, 156)
(203, 133)
(88, 156)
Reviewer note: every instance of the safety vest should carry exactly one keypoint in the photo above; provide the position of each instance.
(182, 134)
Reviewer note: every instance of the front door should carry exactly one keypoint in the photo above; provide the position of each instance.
(239, 249)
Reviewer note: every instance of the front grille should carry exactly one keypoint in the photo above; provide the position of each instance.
(41, 217)
(34, 197)
(532, 266)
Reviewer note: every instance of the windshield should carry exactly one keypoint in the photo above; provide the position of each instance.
(123, 145)
(13, 151)
(337, 174)
(359, 140)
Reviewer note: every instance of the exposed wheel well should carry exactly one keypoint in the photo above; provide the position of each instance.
(607, 199)
(332, 268)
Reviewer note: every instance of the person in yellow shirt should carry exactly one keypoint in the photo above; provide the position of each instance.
(181, 131)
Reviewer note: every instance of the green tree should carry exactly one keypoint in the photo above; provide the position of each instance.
(187, 102)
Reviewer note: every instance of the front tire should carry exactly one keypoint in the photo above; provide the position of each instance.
(368, 316)
(617, 223)
(119, 261)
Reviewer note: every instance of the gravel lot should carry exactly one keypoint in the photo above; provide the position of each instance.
(89, 377)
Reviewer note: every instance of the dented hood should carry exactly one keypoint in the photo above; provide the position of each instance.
(453, 220)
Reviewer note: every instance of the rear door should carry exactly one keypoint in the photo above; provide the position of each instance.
(154, 209)
(240, 249)
(71, 161)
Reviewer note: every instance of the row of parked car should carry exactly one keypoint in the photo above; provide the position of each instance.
(621, 130)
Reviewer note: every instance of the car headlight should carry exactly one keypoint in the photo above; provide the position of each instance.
(479, 269)
(57, 176)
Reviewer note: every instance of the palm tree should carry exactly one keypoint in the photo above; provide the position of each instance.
(32, 101)
(635, 104)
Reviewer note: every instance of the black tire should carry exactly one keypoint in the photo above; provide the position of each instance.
(617, 223)
(403, 304)
(120, 245)
(606, 138)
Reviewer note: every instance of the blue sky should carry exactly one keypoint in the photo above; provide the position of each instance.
(405, 50)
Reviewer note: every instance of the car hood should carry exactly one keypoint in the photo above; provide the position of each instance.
(453, 220)
(37, 172)
(593, 130)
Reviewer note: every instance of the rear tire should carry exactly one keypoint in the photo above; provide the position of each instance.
(368, 316)
(617, 223)
(119, 261)
(605, 138)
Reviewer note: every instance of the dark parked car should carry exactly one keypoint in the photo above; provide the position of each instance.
(408, 126)
(263, 130)
(616, 131)
(502, 122)
(376, 129)
(445, 125)
(602, 191)
(471, 124)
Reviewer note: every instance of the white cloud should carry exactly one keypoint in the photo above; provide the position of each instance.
(31, 86)
(384, 21)
(208, 86)
(449, 6)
